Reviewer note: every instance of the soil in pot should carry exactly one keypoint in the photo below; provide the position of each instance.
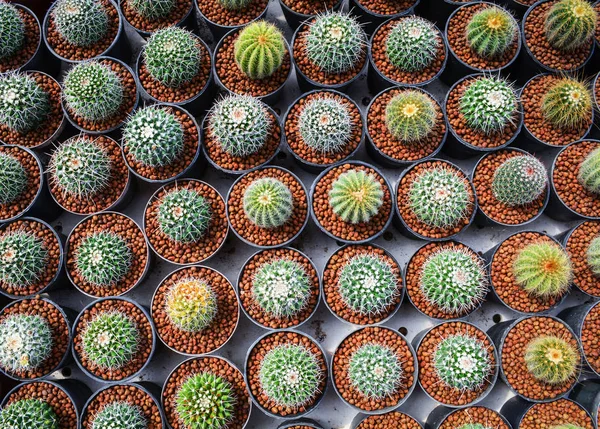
(151, 20)
(350, 278)
(389, 420)
(215, 12)
(286, 271)
(107, 255)
(195, 310)
(589, 338)
(581, 252)
(560, 412)
(25, 37)
(310, 7)
(387, 7)
(482, 416)
(21, 182)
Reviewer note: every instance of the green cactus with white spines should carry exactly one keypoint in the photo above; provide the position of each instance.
(453, 280)
(259, 50)
(110, 339)
(281, 288)
(462, 362)
(240, 124)
(13, 178)
(234, 4)
(24, 105)
(335, 42)
(356, 196)
(29, 413)
(593, 255)
(290, 375)
(80, 167)
(375, 371)
(491, 31)
(475, 426)
(367, 284)
(191, 304)
(589, 172)
(552, 360)
(93, 91)
(23, 259)
(119, 415)
(12, 30)
(103, 258)
(439, 197)
(268, 203)
(205, 401)
(488, 104)
(570, 24)
(543, 269)
(519, 180)
(410, 116)
(325, 124)
(566, 426)
(25, 342)
(173, 56)
(153, 9)
(80, 22)
(413, 44)
(184, 215)
(567, 104)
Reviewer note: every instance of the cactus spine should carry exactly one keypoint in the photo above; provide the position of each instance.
(413, 44)
(184, 215)
(410, 116)
(103, 258)
(80, 22)
(325, 124)
(191, 304)
(462, 362)
(25, 342)
(552, 360)
(375, 371)
(259, 50)
(519, 180)
(356, 196)
(268, 203)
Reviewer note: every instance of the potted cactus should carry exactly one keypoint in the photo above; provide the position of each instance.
(582, 243)
(584, 320)
(472, 417)
(21, 38)
(558, 414)
(362, 284)
(240, 133)
(372, 13)
(222, 16)
(390, 419)
(148, 16)
(296, 13)
(195, 310)
(279, 288)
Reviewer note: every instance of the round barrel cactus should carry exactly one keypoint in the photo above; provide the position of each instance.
(375, 371)
(410, 116)
(23, 258)
(25, 342)
(589, 172)
(268, 202)
(551, 359)
(153, 9)
(29, 413)
(24, 105)
(80, 22)
(356, 196)
(491, 31)
(259, 50)
(325, 124)
(12, 30)
(519, 180)
(567, 104)
(570, 24)
(413, 44)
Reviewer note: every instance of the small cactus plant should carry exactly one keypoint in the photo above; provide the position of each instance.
(335, 42)
(488, 104)
(259, 50)
(103, 258)
(325, 125)
(93, 91)
(593, 255)
(462, 362)
(439, 197)
(25, 342)
(205, 400)
(567, 104)
(234, 4)
(543, 269)
(29, 413)
(24, 105)
(153, 9)
(23, 258)
(281, 288)
(375, 371)
(12, 30)
(184, 215)
(290, 375)
(453, 280)
(474, 426)
(13, 178)
(268, 203)
(413, 44)
(240, 124)
(172, 56)
(570, 24)
(356, 196)
(566, 426)
(491, 31)
(410, 116)
(552, 359)
(119, 415)
(589, 172)
(80, 22)
(519, 180)
(191, 304)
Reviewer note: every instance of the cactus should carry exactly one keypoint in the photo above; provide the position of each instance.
(29, 413)
(375, 371)
(412, 45)
(593, 255)
(570, 24)
(543, 270)
(491, 31)
(488, 104)
(566, 426)
(475, 426)
(25, 342)
(173, 56)
(23, 258)
(453, 280)
(519, 180)
(439, 197)
(13, 178)
(154, 136)
(191, 304)
(268, 203)
(110, 340)
(410, 116)
(281, 288)
(80, 22)
(153, 9)
(103, 258)
(12, 30)
(93, 91)
(462, 362)
(589, 172)
(24, 105)
(567, 104)
(205, 401)
(325, 124)
(240, 124)
(552, 360)
(234, 4)
(259, 50)
(356, 196)
(367, 284)
(119, 415)
(80, 167)
(290, 375)
(184, 215)
(335, 42)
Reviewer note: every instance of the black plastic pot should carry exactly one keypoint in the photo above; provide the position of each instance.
(574, 317)
(515, 409)
(587, 394)
(301, 422)
(516, 7)
(294, 19)
(186, 21)
(217, 30)
(565, 238)
(437, 11)
(359, 418)
(441, 413)
(371, 20)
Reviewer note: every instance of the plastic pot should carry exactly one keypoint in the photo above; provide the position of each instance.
(186, 20)
(587, 394)
(515, 409)
(574, 317)
(294, 19)
(371, 20)
(441, 413)
(437, 11)
(359, 418)
(565, 240)
(301, 422)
